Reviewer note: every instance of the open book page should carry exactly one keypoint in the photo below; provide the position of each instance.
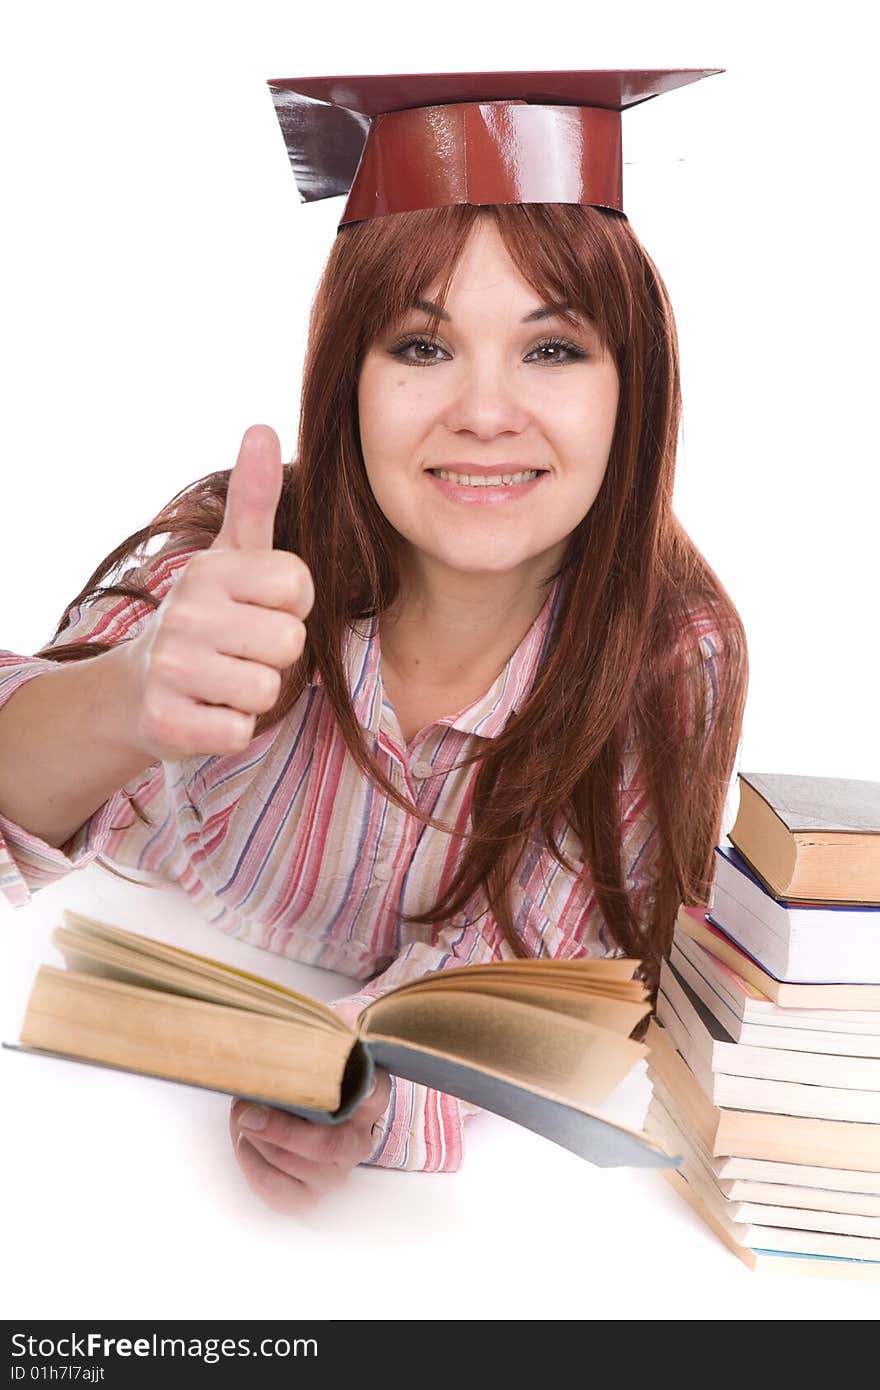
(604, 974)
(547, 1051)
(100, 949)
(571, 998)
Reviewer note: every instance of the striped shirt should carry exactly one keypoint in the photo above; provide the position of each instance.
(288, 845)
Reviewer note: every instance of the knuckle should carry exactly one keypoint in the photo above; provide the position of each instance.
(240, 732)
(156, 718)
(305, 589)
(179, 616)
(268, 684)
(292, 640)
(165, 661)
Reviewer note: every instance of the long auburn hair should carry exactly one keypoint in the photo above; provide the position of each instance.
(624, 668)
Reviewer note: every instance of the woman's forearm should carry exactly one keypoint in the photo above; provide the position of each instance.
(66, 745)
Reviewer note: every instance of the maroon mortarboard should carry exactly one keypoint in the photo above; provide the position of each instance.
(400, 141)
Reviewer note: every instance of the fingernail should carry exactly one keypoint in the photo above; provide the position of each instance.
(253, 1117)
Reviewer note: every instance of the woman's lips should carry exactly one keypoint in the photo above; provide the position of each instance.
(484, 496)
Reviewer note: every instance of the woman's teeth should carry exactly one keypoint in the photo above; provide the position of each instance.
(469, 480)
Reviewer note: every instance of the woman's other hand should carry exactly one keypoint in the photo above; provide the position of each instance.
(289, 1162)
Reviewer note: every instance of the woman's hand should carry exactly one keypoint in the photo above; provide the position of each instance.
(212, 657)
(289, 1162)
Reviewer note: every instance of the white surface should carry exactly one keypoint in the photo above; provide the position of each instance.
(121, 1197)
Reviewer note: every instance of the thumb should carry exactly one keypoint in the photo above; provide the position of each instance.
(254, 491)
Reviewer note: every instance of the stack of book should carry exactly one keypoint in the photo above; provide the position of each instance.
(765, 1048)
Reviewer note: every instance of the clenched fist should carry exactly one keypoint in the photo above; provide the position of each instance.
(211, 658)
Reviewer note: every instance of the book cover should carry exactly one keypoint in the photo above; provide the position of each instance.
(825, 805)
(811, 838)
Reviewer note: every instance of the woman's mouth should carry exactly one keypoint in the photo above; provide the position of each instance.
(494, 489)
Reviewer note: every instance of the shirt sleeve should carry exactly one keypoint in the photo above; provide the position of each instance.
(422, 1128)
(28, 863)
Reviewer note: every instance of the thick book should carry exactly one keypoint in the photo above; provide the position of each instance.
(753, 1019)
(790, 1232)
(797, 1139)
(540, 1042)
(816, 839)
(696, 923)
(763, 1078)
(810, 943)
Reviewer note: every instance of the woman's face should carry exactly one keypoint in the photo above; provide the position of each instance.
(505, 386)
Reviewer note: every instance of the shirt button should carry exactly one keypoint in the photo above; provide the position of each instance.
(382, 871)
(422, 770)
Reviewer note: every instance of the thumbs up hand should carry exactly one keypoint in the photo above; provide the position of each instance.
(212, 657)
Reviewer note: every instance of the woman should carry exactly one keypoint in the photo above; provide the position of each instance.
(481, 730)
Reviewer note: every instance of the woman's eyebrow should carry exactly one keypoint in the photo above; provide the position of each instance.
(546, 311)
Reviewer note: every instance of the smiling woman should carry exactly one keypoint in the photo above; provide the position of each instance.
(514, 720)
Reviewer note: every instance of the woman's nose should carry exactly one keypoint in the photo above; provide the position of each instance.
(485, 401)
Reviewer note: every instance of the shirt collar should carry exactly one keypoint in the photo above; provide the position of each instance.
(488, 715)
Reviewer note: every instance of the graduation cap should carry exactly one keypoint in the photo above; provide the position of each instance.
(400, 141)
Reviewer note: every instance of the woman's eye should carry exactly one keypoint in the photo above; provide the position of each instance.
(557, 346)
(401, 351)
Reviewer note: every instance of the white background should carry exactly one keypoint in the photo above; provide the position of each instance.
(159, 268)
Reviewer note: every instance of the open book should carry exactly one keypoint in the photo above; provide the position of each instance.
(540, 1042)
